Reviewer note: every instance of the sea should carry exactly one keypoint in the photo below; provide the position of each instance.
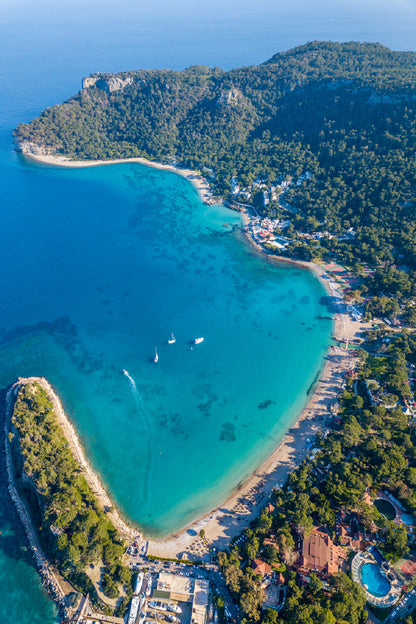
(99, 265)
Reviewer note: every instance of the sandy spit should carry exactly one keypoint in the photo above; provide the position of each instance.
(198, 181)
(127, 531)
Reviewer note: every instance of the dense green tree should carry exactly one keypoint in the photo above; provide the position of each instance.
(77, 530)
(356, 143)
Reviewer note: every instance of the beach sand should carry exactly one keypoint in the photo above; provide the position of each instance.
(198, 181)
(234, 514)
(127, 531)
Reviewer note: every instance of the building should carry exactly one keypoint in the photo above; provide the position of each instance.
(174, 587)
(261, 567)
(187, 589)
(200, 602)
(319, 554)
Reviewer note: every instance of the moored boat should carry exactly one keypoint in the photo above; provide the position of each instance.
(198, 340)
(173, 607)
(156, 604)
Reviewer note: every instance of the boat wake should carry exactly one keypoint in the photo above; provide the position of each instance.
(131, 380)
(148, 421)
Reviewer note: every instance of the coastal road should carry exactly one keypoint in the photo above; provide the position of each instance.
(219, 584)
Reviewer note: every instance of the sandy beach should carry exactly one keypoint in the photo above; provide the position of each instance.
(196, 179)
(234, 513)
(243, 505)
(127, 531)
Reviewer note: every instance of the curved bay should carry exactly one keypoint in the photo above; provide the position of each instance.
(104, 263)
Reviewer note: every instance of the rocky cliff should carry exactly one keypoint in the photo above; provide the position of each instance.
(107, 82)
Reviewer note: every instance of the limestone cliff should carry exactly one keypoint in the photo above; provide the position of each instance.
(31, 148)
(107, 82)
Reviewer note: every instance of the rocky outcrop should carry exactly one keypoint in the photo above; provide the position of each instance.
(231, 97)
(108, 83)
(30, 148)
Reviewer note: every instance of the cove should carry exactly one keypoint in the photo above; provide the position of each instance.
(103, 264)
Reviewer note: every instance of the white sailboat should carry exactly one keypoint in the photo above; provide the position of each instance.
(156, 358)
(198, 340)
(172, 339)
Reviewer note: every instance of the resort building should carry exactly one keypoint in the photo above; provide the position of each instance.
(274, 593)
(319, 554)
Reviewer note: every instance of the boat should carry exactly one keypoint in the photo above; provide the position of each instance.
(139, 583)
(125, 372)
(172, 340)
(149, 584)
(198, 340)
(134, 609)
(156, 358)
(156, 604)
(174, 607)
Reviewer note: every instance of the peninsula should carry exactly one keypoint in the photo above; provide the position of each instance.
(316, 148)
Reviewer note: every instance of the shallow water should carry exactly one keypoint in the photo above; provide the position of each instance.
(130, 255)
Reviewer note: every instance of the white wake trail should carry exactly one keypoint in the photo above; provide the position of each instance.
(142, 410)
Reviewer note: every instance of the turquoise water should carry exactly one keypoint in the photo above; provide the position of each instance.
(376, 583)
(407, 519)
(98, 266)
(133, 255)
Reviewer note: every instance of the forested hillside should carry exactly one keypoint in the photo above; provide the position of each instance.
(344, 113)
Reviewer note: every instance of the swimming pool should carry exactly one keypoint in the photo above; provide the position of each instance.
(376, 583)
(407, 519)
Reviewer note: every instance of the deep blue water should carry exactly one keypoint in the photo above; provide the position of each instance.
(99, 265)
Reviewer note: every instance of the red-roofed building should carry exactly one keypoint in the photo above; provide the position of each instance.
(261, 567)
(347, 539)
(319, 554)
(271, 541)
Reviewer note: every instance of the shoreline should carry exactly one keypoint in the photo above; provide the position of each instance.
(235, 511)
(200, 183)
(126, 530)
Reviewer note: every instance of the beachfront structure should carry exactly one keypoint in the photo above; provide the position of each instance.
(200, 602)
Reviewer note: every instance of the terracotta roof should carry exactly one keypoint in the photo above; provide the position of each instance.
(319, 553)
(261, 567)
(270, 541)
